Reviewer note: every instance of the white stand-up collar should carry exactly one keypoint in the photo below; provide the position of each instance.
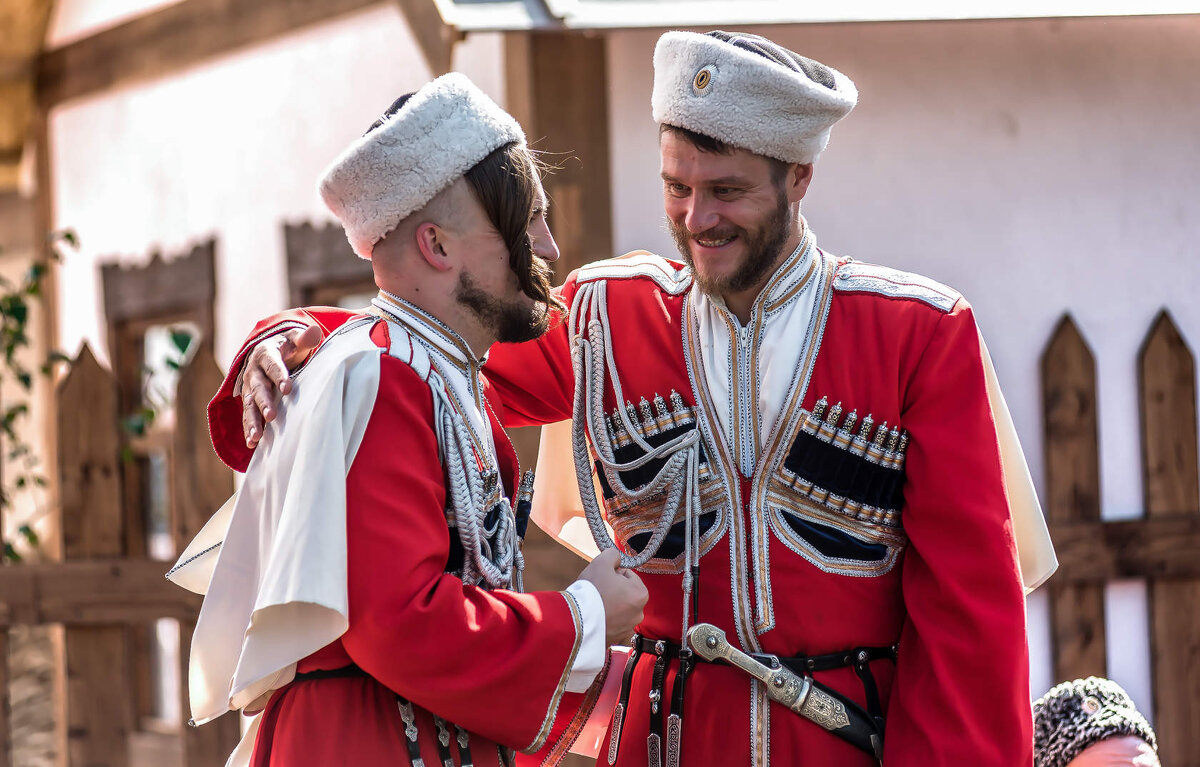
(749, 369)
(454, 359)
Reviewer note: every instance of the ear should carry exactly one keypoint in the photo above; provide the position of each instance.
(798, 179)
(431, 241)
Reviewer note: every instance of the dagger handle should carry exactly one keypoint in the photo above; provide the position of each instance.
(783, 686)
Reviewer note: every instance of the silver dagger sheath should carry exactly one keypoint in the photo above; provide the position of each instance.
(798, 693)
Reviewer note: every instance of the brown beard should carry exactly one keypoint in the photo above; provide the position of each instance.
(512, 321)
(764, 248)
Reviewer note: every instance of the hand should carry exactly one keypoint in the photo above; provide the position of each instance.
(622, 591)
(265, 376)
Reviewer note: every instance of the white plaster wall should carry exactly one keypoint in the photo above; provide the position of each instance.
(231, 148)
(1039, 167)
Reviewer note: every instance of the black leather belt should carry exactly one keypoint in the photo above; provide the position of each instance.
(408, 716)
(344, 672)
(869, 722)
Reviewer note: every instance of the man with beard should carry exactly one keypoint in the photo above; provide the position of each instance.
(805, 456)
(365, 596)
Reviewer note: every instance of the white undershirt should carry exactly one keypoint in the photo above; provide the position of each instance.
(750, 369)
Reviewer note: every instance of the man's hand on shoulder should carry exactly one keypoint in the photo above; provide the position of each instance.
(266, 375)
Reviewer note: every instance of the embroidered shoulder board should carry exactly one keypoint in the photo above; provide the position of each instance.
(668, 275)
(870, 278)
(413, 355)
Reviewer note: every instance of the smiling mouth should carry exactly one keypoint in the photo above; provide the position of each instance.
(708, 243)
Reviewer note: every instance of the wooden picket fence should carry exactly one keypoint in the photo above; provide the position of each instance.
(99, 591)
(1163, 546)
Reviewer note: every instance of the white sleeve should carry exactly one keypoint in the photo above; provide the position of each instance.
(593, 648)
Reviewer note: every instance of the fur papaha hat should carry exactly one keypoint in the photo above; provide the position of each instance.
(1074, 715)
(748, 92)
(441, 132)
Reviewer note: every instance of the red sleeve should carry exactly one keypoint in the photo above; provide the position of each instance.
(961, 694)
(494, 662)
(225, 410)
(535, 381)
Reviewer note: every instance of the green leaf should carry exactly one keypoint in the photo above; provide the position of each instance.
(26, 380)
(15, 411)
(10, 553)
(182, 339)
(134, 424)
(138, 423)
(29, 534)
(17, 309)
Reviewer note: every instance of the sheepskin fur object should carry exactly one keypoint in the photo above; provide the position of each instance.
(1074, 715)
(444, 130)
(749, 92)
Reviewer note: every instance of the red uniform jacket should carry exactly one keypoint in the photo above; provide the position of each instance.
(492, 662)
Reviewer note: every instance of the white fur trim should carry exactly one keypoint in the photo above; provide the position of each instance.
(444, 130)
(745, 99)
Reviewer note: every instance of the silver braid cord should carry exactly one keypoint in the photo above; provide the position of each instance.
(591, 357)
(467, 499)
(691, 545)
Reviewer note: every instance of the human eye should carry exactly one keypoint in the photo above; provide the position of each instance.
(675, 189)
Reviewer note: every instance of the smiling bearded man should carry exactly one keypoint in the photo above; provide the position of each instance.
(807, 457)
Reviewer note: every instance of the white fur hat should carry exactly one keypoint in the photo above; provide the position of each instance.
(749, 92)
(440, 132)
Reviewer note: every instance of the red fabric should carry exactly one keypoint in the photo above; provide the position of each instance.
(492, 662)
(960, 691)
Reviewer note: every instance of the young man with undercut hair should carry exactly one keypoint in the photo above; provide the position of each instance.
(806, 457)
(363, 594)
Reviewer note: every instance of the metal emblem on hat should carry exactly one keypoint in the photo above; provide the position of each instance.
(702, 82)
(1091, 705)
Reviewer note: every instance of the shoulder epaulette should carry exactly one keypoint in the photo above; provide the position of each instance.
(870, 278)
(413, 355)
(669, 275)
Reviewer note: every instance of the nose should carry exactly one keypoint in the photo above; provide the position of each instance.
(544, 246)
(699, 215)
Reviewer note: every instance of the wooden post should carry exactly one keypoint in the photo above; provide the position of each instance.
(1073, 494)
(1171, 483)
(5, 710)
(557, 86)
(567, 103)
(200, 483)
(97, 710)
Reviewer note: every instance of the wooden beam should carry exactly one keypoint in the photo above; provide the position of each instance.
(1163, 547)
(187, 33)
(92, 593)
